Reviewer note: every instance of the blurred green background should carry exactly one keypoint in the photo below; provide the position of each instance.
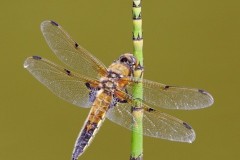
(186, 43)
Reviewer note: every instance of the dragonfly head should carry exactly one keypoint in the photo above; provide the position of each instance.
(129, 60)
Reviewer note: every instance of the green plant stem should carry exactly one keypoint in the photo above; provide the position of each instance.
(137, 111)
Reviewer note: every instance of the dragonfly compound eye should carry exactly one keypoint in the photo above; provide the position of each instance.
(124, 60)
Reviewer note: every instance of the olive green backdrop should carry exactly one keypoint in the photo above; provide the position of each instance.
(188, 43)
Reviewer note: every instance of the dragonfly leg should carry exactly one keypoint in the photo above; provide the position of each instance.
(139, 69)
(116, 100)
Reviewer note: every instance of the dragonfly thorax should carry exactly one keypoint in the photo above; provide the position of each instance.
(108, 84)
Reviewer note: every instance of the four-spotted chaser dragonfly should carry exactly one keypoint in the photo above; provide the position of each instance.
(108, 90)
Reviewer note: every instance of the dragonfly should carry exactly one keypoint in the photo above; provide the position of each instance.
(107, 91)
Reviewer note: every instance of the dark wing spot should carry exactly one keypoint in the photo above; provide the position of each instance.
(166, 87)
(187, 125)
(202, 91)
(76, 45)
(54, 23)
(36, 57)
(68, 72)
(151, 110)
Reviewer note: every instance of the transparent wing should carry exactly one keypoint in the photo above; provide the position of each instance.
(155, 123)
(172, 97)
(62, 82)
(71, 53)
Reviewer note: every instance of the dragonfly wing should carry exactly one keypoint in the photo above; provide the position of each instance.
(161, 125)
(62, 82)
(155, 123)
(172, 97)
(70, 52)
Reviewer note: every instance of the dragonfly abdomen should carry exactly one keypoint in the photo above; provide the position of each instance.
(94, 120)
(84, 139)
